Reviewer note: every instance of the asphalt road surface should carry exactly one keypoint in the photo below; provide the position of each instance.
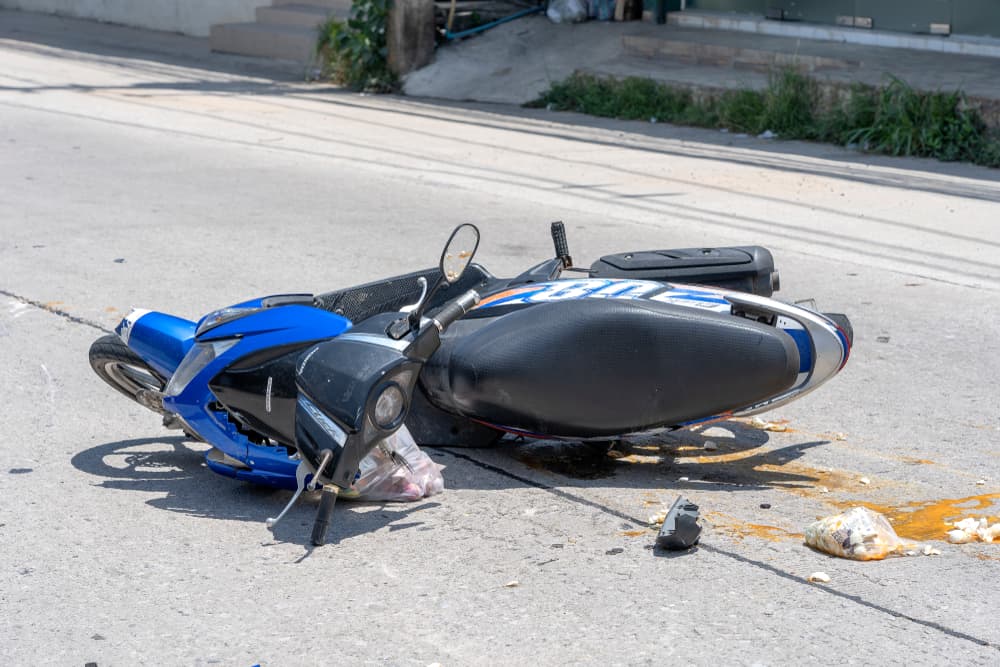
(137, 170)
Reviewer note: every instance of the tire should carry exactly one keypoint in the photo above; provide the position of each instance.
(127, 373)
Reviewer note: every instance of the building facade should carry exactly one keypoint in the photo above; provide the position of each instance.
(966, 17)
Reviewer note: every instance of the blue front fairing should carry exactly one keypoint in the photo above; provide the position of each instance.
(163, 341)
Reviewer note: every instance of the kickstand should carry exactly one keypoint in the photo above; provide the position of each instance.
(301, 472)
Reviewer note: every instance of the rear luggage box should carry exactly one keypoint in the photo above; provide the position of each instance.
(743, 268)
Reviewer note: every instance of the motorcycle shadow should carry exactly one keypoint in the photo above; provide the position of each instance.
(731, 455)
(175, 467)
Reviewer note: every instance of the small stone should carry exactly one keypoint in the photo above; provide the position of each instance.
(822, 489)
(710, 446)
(512, 584)
(99, 638)
(120, 260)
(613, 552)
(653, 119)
(819, 578)
(765, 506)
(683, 479)
(980, 482)
(616, 454)
(865, 481)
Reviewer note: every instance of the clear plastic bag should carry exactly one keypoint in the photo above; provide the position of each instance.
(396, 469)
(567, 11)
(858, 534)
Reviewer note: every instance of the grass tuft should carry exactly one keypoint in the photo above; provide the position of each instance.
(894, 119)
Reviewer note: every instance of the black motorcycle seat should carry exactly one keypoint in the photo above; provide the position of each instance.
(602, 367)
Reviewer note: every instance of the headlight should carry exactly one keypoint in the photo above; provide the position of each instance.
(222, 316)
(199, 356)
(390, 405)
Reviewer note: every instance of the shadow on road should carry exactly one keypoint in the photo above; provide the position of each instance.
(175, 467)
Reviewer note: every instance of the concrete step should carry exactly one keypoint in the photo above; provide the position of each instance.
(300, 15)
(740, 51)
(264, 40)
(329, 4)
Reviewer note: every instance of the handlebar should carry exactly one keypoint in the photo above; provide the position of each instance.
(454, 310)
(561, 244)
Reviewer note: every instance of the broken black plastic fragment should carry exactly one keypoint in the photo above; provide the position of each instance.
(680, 528)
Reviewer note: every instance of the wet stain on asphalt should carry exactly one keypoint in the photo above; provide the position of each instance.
(927, 520)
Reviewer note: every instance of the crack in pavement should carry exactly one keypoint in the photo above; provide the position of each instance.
(723, 552)
(56, 311)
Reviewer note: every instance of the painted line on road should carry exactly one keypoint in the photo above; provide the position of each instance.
(56, 311)
(722, 552)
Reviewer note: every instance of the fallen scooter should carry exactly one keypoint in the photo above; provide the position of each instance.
(589, 358)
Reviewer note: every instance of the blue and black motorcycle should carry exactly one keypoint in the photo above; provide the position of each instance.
(640, 341)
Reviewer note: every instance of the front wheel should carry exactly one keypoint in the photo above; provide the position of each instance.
(124, 370)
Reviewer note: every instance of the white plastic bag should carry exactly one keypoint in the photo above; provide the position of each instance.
(396, 469)
(858, 534)
(567, 11)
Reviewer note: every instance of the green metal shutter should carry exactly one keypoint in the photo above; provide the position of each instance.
(976, 17)
(814, 11)
(913, 16)
(754, 6)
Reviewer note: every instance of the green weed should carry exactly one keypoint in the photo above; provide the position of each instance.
(354, 53)
(894, 119)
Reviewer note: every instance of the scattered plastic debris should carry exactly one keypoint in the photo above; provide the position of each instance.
(680, 529)
(711, 446)
(972, 530)
(865, 481)
(822, 489)
(819, 578)
(840, 436)
(396, 470)
(512, 584)
(683, 479)
(858, 534)
(931, 551)
(980, 482)
(777, 427)
(767, 134)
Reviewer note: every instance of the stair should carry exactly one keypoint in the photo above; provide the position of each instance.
(285, 30)
(759, 53)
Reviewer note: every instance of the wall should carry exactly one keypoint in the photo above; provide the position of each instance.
(191, 17)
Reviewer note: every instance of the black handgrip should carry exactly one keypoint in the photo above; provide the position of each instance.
(456, 309)
(323, 515)
(561, 244)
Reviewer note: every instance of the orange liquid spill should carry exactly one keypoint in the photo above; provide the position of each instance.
(926, 520)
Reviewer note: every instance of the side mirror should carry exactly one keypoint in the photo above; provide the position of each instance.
(458, 252)
(455, 259)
